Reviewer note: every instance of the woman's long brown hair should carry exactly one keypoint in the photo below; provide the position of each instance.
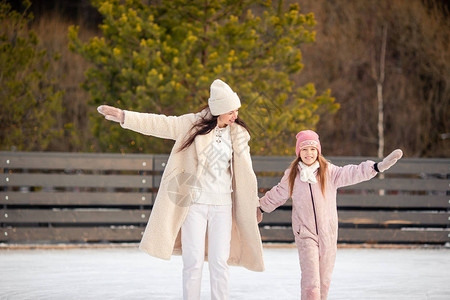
(204, 126)
(323, 165)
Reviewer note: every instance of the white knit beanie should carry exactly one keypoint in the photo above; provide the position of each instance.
(222, 99)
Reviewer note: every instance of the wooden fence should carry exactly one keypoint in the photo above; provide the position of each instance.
(103, 198)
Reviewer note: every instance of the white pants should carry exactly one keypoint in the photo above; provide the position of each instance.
(218, 219)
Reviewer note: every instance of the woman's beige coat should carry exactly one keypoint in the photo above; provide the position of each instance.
(179, 186)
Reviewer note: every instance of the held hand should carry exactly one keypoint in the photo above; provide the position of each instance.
(259, 215)
(390, 160)
(111, 113)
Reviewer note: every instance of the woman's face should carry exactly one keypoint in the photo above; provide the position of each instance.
(228, 118)
(308, 155)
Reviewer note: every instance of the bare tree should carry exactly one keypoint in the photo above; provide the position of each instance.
(379, 79)
(415, 73)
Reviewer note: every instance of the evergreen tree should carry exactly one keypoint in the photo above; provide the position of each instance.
(29, 102)
(162, 58)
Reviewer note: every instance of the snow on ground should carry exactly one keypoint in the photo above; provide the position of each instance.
(127, 273)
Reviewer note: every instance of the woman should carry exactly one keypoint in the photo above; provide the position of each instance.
(208, 184)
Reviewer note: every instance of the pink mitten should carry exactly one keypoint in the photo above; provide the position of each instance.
(111, 113)
(390, 160)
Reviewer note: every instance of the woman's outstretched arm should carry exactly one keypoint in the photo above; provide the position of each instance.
(167, 127)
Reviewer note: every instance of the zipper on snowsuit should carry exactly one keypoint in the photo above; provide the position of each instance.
(314, 208)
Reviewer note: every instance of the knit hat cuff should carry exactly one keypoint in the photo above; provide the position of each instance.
(309, 143)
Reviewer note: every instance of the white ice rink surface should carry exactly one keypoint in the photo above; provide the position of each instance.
(127, 273)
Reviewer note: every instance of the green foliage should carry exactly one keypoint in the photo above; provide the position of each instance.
(29, 102)
(163, 57)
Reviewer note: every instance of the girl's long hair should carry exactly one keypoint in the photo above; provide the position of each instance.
(321, 174)
(204, 126)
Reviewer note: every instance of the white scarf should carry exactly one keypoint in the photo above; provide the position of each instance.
(308, 173)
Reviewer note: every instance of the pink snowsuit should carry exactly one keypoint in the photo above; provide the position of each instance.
(315, 221)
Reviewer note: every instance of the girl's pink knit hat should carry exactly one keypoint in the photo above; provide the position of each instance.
(307, 138)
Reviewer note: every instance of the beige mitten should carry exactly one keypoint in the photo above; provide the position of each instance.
(390, 160)
(112, 113)
(259, 215)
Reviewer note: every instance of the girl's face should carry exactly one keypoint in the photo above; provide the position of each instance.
(228, 118)
(308, 155)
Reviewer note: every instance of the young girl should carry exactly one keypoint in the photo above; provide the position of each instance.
(208, 188)
(312, 183)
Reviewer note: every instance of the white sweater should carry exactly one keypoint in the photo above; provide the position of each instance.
(216, 180)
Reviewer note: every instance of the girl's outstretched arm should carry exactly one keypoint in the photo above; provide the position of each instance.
(353, 174)
(277, 196)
